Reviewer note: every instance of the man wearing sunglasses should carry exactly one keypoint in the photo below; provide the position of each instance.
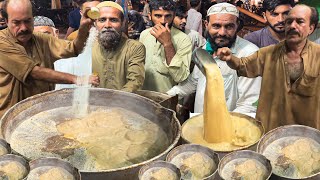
(275, 12)
(241, 93)
(290, 71)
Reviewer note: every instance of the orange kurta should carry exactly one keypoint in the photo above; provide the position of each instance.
(16, 64)
(282, 102)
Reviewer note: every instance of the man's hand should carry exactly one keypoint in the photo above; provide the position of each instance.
(224, 54)
(162, 34)
(85, 22)
(94, 80)
(85, 80)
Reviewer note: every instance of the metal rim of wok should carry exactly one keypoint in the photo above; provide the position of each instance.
(184, 148)
(160, 164)
(55, 162)
(10, 114)
(251, 119)
(245, 154)
(16, 158)
(6, 145)
(287, 131)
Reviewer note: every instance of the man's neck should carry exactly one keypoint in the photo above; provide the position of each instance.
(26, 45)
(295, 49)
(275, 35)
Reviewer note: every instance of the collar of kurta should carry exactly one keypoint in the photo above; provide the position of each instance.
(304, 50)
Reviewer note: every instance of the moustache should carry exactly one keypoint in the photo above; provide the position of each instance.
(292, 32)
(221, 37)
(108, 30)
(24, 33)
(279, 24)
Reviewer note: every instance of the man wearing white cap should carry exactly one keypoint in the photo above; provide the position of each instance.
(241, 93)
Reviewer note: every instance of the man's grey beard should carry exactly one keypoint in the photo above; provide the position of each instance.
(109, 38)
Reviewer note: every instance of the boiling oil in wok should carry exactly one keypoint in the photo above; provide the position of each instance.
(105, 139)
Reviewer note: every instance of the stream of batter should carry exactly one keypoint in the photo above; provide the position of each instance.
(217, 128)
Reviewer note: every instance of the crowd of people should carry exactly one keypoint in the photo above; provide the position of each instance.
(272, 74)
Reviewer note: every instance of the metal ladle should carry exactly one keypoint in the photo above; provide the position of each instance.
(201, 57)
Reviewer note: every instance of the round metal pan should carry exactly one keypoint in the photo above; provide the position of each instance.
(145, 107)
(55, 162)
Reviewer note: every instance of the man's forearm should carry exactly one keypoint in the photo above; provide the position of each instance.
(49, 75)
(170, 52)
(81, 39)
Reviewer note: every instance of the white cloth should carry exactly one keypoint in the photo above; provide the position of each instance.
(241, 93)
(77, 66)
(81, 65)
(194, 20)
(223, 8)
(197, 40)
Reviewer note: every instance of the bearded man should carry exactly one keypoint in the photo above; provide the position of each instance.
(241, 93)
(119, 61)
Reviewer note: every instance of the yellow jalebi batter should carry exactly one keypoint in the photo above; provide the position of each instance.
(56, 174)
(304, 157)
(250, 170)
(13, 170)
(194, 165)
(217, 122)
(217, 128)
(163, 174)
(112, 141)
(3, 151)
(246, 133)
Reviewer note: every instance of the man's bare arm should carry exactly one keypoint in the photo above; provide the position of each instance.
(49, 75)
(85, 25)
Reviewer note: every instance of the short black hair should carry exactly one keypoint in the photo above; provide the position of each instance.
(194, 3)
(181, 11)
(81, 2)
(4, 9)
(167, 5)
(270, 5)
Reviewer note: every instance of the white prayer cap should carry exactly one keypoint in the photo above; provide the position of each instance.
(223, 8)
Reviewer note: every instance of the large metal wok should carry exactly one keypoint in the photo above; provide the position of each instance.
(145, 107)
